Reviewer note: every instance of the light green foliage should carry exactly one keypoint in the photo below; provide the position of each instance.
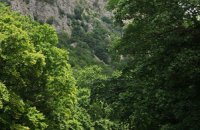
(88, 75)
(39, 90)
(96, 113)
(36, 118)
(18, 127)
(104, 124)
(4, 95)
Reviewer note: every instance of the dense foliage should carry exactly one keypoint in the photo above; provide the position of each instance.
(90, 39)
(36, 84)
(159, 87)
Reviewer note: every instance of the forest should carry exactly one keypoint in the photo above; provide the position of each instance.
(145, 76)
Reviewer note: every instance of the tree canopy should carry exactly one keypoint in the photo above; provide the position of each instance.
(36, 84)
(159, 87)
(156, 84)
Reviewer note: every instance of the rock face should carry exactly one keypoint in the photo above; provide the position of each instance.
(58, 12)
(84, 26)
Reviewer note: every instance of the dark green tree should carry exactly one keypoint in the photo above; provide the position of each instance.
(159, 87)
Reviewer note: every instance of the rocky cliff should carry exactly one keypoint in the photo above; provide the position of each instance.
(84, 26)
(59, 12)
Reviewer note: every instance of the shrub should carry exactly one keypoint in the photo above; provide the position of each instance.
(50, 20)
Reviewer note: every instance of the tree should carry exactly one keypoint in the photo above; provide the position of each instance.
(159, 87)
(92, 114)
(36, 84)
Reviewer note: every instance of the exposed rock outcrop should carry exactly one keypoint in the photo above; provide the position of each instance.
(58, 12)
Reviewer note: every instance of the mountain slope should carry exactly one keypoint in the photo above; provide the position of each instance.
(58, 12)
(84, 27)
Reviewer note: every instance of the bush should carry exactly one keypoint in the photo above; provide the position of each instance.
(50, 20)
(78, 12)
(106, 20)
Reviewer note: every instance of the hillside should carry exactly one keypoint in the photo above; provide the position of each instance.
(85, 27)
(59, 12)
